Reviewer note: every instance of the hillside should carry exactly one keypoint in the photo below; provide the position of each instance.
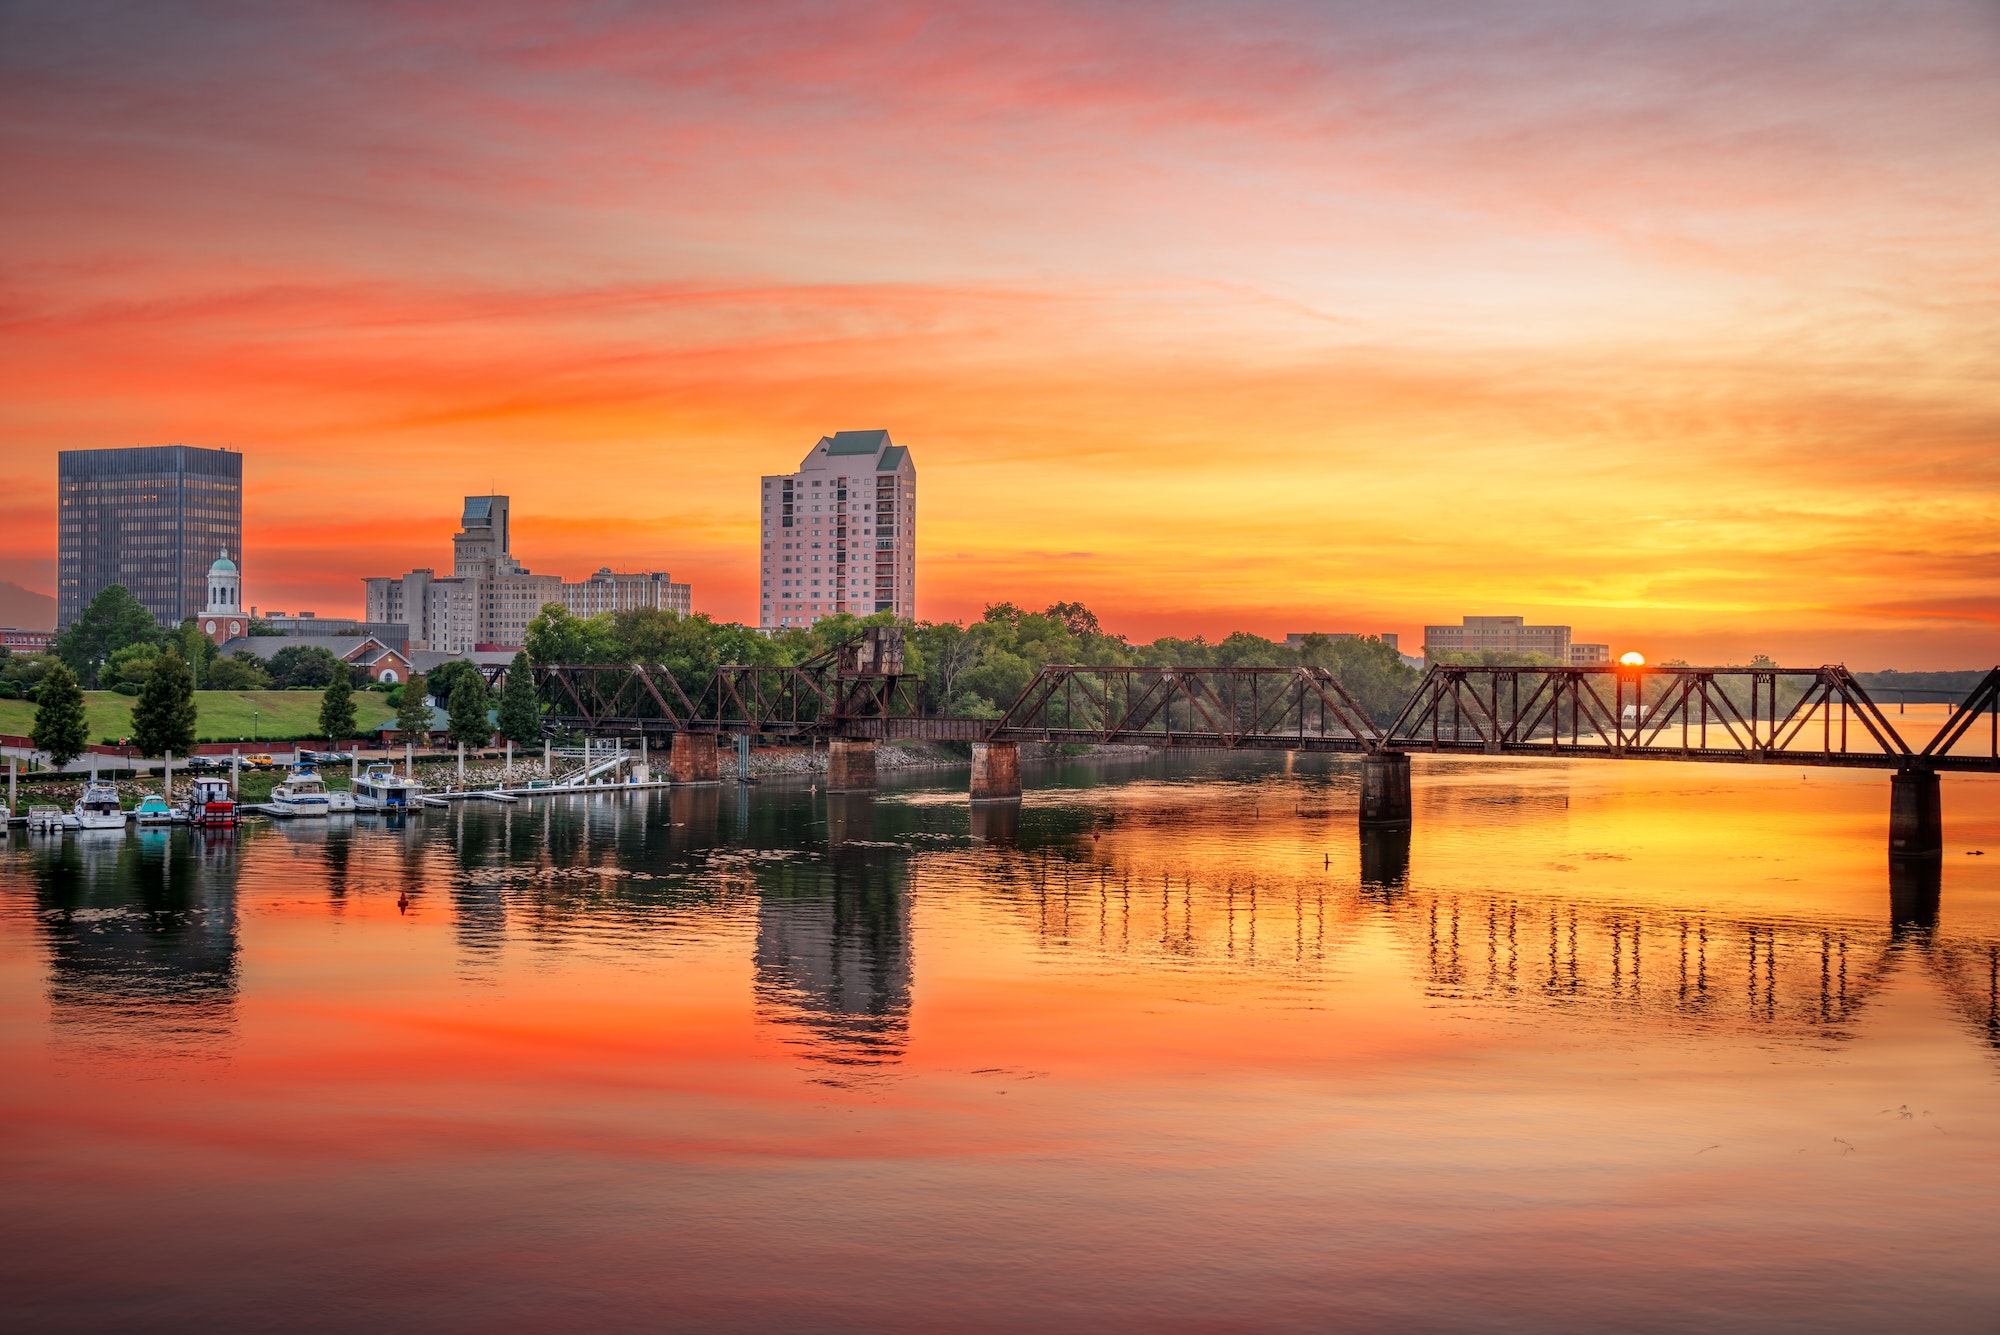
(26, 609)
(224, 716)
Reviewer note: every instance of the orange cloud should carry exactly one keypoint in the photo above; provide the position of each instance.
(1278, 321)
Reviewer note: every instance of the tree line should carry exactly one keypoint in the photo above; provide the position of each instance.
(974, 669)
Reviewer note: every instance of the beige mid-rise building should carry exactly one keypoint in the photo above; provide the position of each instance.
(1506, 635)
(489, 598)
(839, 534)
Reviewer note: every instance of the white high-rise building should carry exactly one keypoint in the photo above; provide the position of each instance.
(840, 534)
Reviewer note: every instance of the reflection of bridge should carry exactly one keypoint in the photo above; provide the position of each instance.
(1666, 965)
(857, 694)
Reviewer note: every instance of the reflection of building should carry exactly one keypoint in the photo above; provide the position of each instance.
(839, 535)
(833, 965)
(489, 597)
(150, 518)
(141, 935)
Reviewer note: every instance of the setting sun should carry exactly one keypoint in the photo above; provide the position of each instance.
(1633, 659)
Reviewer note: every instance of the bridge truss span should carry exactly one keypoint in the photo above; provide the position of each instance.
(1239, 708)
(1816, 716)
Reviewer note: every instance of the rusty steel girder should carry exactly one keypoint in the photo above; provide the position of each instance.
(627, 699)
(1816, 715)
(1245, 708)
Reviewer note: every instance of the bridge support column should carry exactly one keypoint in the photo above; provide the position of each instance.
(1385, 788)
(1916, 819)
(850, 766)
(996, 771)
(692, 759)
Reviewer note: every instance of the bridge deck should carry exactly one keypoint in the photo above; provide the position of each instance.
(1786, 716)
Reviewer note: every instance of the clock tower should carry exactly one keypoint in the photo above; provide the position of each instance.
(223, 618)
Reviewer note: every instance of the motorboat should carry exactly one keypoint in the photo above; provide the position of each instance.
(303, 793)
(339, 800)
(211, 803)
(380, 788)
(97, 809)
(153, 810)
(45, 819)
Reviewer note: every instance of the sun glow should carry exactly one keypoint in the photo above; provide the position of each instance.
(1633, 659)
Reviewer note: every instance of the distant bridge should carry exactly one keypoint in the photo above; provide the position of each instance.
(857, 693)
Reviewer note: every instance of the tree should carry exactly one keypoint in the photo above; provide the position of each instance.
(950, 651)
(241, 671)
(164, 718)
(1079, 620)
(59, 727)
(336, 710)
(129, 666)
(199, 651)
(466, 711)
(444, 678)
(305, 665)
(113, 620)
(413, 716)
(520, 719)
(557, 636)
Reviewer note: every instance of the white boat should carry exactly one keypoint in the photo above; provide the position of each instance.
(97, 809)
(210, 803)
(380, 788)
(45, 819)
(303, 793)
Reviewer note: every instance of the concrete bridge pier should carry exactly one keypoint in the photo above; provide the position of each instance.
(1385, 788)
(693, 759)
(996, 771)
(850, 766)
(1916, 820)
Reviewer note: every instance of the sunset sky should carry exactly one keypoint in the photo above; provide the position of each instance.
(1678, 322)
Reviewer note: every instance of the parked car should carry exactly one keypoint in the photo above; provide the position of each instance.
(259, 762)
(325, 757)
(205, 763)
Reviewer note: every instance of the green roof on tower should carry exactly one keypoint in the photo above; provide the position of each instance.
(857, 442)
(892, 459)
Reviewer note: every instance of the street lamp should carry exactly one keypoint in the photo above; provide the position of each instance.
(253, 725)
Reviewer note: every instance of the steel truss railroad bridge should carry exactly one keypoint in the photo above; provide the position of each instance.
(857, 694)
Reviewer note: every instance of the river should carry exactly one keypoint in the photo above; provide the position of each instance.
(1165, 1047)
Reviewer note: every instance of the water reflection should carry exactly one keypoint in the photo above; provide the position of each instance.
(833, 957)
(141, 938)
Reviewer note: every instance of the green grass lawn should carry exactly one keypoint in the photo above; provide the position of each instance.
(222, 716)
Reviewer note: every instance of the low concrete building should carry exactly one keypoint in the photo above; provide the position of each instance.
(18, 641)
(1502, 634)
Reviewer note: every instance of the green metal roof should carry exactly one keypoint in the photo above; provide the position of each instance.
(892, 459)
(857, 442)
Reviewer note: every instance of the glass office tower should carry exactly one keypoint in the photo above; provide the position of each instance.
(152, 518)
